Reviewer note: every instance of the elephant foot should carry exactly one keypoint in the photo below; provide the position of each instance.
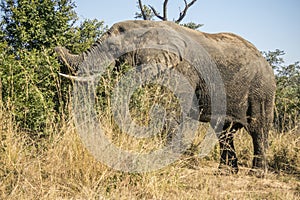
(259, 167)
(257, 172)
(226, 170)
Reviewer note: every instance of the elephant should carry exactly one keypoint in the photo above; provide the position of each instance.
(248, 79)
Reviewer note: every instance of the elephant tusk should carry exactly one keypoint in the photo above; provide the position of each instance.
(68, 76)
(80, 79)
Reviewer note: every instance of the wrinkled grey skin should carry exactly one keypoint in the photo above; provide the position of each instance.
(248, 79)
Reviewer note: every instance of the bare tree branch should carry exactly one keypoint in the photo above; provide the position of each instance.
(164, 16)
(183, 13)
(165, 11)
(142, 10)
(157, 14)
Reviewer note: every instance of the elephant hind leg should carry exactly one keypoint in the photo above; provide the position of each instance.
(258, 126)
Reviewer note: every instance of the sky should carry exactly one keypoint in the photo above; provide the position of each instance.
(268, 24)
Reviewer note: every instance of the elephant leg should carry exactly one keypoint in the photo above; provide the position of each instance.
(259, 133)
(227, 152)
(260, 146)
(259, 124)
(232, 158)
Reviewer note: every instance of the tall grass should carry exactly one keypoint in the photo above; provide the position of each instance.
(64, 169)
(60, 167)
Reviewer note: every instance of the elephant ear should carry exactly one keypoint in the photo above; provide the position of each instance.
(71, 61)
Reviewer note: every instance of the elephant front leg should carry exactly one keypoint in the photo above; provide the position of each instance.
(228, 160)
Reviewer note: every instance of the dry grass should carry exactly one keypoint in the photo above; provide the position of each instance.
(63, 169)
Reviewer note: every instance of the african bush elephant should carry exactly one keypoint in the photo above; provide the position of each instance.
(247, 77)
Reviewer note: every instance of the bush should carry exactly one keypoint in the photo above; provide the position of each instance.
(287, 110)
(285, 152)
(30, 85)
(32, 89)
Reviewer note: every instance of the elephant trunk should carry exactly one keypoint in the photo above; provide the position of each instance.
(72, 61)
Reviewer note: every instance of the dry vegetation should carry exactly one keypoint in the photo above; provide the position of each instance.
(56, 165)
(60, 167)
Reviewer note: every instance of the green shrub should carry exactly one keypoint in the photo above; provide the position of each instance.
(287, 110)
(30, 85)
(32, 89)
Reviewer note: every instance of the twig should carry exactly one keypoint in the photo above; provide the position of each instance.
(183, 13)
(142, 10)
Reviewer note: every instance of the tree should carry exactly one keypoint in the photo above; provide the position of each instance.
(145, 14)
(85, 35)
(287, 113)
(36, 24)
(30, 85)
(149, 12)
(192, 25)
